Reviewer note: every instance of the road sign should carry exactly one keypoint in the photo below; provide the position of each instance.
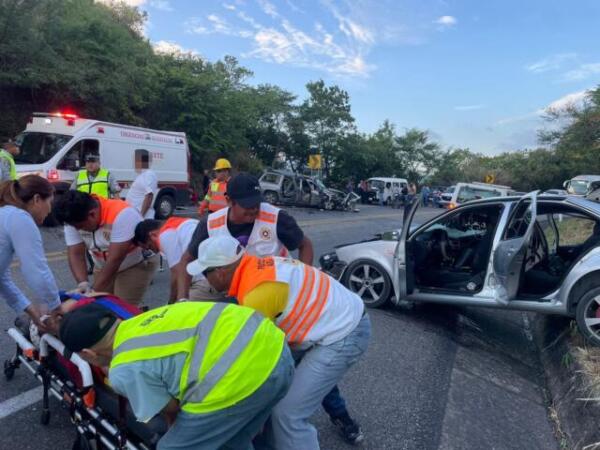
(314, 162)
(490, 178)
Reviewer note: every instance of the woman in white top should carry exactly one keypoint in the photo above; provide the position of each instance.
(23, 204)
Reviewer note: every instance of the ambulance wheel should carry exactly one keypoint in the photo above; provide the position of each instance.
(9, 370)
(165, 205)
(45, 417)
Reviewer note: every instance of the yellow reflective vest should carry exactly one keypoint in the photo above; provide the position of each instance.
(230, 350)
(13, 169)
(99, 185)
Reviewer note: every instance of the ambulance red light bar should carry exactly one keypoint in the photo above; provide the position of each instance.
(65, 115)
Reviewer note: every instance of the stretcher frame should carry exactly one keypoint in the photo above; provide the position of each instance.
(91, 422)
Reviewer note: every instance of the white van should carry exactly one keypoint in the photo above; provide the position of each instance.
(377, 185)
(464, 192)
(54, 146)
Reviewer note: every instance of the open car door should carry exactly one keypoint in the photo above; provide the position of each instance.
(400, 257)
(511, 250)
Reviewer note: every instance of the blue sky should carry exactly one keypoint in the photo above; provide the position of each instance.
(477, 74)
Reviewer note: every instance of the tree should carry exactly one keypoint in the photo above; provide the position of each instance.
(327, 119)
(417, 154)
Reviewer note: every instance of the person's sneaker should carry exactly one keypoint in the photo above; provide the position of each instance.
(348, 428)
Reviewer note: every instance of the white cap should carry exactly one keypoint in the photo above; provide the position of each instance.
(216, 251)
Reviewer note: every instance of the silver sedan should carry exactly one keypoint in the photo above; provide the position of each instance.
(533, 253)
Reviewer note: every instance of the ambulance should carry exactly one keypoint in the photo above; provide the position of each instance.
(54, 145)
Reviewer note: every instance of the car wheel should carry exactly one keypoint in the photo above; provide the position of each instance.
(165, 206)
(587, 315)
(370, 281)
(271, 197)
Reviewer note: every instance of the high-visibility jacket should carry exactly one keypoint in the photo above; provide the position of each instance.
(99, 185)
(215, 197)
(98, 241)
(319, 308)
(174, 237)
(263, 240)
(11, 161)
(230, 350)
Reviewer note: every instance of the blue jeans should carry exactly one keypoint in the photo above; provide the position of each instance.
(232, 428)
(320, 369)
(333, 403)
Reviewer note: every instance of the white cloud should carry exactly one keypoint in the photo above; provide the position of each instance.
(229, 6)
(170, 48)
(339, 52)
(162, 5)
(468, 107)
(574, 99)
(446, 21)
(127, 2)
(582, 72)
(550, 63)
(268, 8)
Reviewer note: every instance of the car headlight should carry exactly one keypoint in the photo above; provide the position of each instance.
(328, 260)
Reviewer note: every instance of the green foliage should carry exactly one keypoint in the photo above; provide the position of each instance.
(94, 59)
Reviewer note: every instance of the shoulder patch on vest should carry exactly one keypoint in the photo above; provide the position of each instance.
(265, 233)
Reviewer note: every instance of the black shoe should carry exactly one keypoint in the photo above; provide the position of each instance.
(348, 428)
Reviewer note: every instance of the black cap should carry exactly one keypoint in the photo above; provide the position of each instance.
(245, 190)
(92, 157)
(86, 326)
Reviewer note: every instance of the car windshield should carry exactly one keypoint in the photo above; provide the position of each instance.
(377, 184)
(578, 187)
(37, 148)
(320, 184)
(449, 190)
(467, 193)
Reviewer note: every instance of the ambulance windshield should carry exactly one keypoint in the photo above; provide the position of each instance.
(37, 148)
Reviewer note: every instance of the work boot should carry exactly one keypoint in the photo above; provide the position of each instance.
(348, 428)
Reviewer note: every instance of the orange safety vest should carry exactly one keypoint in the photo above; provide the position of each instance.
(310, 292)
(216, 195)
(99, 240)
(172, 223)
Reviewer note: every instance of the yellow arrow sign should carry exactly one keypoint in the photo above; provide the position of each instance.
(314, 161)
(490, 178)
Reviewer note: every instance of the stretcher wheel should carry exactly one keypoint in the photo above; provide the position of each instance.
(9, 370)
(45, 417)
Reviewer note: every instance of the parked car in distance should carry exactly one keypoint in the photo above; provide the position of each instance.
(555, 192)
(535, 253)
(446, 197)
(289, 188)
(587, 186)
(466, 192)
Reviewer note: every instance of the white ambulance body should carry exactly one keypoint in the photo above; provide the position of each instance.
(55, 145)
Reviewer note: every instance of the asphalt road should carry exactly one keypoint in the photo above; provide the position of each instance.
(434, 377)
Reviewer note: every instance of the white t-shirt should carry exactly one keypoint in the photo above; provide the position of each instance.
(174, 242)
(122, 230)
(145, 183)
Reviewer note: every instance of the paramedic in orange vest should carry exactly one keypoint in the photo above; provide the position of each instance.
(260, 227)
(171, 239)
(215, 197)
(106, 228)
(263, 230)
(326, 325)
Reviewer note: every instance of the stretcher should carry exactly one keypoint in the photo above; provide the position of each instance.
(102, 418)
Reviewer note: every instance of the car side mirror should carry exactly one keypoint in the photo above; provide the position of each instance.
(566, 184)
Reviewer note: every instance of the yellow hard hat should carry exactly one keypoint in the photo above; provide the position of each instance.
(221, 164)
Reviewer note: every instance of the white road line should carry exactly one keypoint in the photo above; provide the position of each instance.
(17, 403)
